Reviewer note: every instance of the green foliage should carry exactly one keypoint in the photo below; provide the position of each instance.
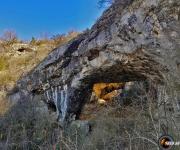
(33, 40)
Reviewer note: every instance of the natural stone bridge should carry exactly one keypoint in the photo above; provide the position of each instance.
(134, 40)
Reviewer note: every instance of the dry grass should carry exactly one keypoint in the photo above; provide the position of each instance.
(13, 66)
(21, 64)
(134, 125)
(4, 104)
(26, 126)
(3, 62)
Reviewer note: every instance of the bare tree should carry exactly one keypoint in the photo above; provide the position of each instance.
(9, 36)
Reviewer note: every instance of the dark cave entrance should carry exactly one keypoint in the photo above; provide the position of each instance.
(134, 113)
(23, 50)
(130, 113)
(117, 85)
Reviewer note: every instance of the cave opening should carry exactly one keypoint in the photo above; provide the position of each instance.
(119, 110)
(22, 50)
(116, 94)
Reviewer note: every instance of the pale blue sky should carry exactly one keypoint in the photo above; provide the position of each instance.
(35, 17)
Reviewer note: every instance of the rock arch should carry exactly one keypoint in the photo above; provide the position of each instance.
(130, 42)
(70, 97)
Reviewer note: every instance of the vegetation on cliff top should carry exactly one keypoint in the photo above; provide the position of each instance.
(15, 63)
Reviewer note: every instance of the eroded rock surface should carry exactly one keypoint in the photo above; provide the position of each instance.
(134, 40)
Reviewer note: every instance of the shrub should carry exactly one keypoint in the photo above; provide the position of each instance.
(4, 104)
(25, 126)
(33, 41)
(9, 37)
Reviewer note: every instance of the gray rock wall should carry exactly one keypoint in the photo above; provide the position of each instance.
(133, 40)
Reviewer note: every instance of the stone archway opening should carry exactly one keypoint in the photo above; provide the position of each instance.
(115, 94)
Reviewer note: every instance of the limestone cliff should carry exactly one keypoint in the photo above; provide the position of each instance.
(134, 40)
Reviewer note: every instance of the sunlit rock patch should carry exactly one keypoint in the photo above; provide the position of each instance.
(104, 94)
(107, 91)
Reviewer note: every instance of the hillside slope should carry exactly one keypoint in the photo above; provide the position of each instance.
(135, 41)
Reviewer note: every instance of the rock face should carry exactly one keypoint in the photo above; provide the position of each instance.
(23, 47)
(134, 40)
(18, 48)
